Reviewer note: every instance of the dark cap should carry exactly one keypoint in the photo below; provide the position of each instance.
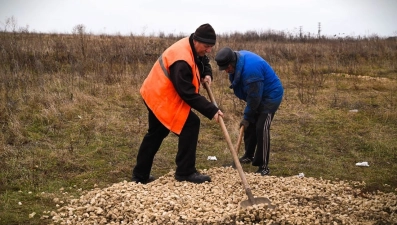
(205, 34)
(224, 57)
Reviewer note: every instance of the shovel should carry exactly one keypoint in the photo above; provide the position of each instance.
(239, 140)
(251, 200)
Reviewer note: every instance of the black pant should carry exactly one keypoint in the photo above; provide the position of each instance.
(257, 136)
(187, 144)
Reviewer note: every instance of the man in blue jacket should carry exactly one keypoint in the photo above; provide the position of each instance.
(254, 81)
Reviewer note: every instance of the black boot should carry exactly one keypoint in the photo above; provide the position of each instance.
(196, 177)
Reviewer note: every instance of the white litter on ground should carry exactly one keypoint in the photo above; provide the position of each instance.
(362, 164)
(301, 175)
(212, 158)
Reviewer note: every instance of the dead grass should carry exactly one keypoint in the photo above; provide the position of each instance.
(70, 124)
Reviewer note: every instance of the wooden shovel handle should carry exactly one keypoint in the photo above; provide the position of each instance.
(234, 154)
(239, 140)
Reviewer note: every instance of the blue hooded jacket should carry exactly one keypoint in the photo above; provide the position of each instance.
(255, 82)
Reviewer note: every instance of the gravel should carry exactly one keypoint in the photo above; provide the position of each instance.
(297, 200)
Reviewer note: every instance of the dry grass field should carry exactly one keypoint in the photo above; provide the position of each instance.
(71, 117)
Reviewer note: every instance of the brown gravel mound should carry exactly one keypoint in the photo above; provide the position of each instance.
(298, 200)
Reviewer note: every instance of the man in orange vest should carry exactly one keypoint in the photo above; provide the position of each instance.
(169, 92)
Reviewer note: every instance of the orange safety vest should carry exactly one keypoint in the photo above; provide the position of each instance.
(159, 93)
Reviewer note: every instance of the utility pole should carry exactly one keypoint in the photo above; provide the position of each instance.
(300, 33)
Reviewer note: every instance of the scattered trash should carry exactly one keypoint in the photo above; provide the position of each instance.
(353, 110)
(212, 158)
(300, 175)
(362, 164)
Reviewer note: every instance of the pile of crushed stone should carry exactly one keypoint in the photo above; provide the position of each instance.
(297, 200)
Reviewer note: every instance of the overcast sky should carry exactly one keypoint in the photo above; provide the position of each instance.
(340, 17)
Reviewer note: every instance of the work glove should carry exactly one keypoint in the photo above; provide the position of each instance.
(244, 123)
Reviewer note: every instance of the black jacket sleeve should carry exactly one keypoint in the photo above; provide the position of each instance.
(181, 77)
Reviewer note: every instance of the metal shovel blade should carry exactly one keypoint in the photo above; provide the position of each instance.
(257, 201)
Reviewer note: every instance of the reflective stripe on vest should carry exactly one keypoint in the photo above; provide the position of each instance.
(163, 67)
